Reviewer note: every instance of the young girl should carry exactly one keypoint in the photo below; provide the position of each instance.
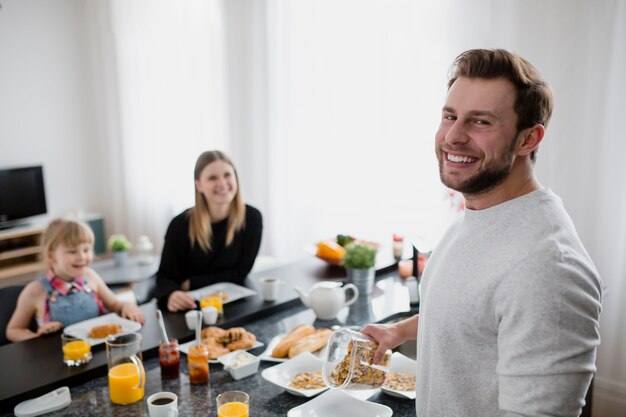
(71, 291)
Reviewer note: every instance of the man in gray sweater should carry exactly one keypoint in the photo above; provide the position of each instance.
(510, 299)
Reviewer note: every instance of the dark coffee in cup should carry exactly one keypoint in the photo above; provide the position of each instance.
(162, 401)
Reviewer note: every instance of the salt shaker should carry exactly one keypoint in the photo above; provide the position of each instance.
(144, 250)
(412, 285)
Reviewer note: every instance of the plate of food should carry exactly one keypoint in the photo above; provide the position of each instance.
(227, 291)
(400, 381)
(302, 338)
(223, 341)
(338, 403)
(96, 330)
(301, 375)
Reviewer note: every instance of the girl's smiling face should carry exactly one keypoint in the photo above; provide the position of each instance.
(217, 183)
(69, 262)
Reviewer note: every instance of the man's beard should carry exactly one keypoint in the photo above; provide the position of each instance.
(487, 179)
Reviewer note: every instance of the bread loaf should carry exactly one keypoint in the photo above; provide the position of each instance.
(282, 349)
(104, 330)
(310, 343)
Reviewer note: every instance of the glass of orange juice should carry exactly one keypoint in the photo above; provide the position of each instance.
(232, 404)
(213, 300)
(76, 350)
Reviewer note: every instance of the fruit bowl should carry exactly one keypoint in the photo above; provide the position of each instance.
(332, 252)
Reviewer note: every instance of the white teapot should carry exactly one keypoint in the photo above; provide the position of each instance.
(326, 298)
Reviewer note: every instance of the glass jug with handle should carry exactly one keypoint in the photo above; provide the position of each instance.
(127, 377)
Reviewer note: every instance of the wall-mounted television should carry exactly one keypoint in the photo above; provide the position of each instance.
(22, 194)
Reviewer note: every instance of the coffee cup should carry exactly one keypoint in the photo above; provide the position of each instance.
(270, 288)
(191, 318)
(163, 404)
(209, 314)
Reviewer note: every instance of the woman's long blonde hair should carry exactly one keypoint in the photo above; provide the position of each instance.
(199, 218)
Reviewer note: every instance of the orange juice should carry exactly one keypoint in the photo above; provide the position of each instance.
(124, 383)
(76, 350)
(214, 301)
(233, 409)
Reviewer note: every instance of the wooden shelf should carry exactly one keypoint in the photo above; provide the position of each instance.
(20, 252)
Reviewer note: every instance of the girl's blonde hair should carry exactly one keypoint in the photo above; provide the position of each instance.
(65, 232)
(199, 218)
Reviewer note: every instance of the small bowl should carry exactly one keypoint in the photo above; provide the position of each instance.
(240, 364)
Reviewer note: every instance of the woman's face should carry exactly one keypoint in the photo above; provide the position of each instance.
(217, 183)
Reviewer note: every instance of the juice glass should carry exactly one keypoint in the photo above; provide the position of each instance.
(127, 377)
(198, 362)
(169, 358)
(76, 351)
(213, 300)
(232, 404)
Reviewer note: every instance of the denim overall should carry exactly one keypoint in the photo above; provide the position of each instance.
(70, 308)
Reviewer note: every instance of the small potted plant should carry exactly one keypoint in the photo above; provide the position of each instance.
(359, 262)
(119, 245)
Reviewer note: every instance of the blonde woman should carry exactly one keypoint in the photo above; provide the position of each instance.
(217, 240)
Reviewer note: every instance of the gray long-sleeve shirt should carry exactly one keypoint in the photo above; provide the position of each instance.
(509, 315)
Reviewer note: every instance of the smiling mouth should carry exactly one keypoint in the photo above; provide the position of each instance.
(460, 159)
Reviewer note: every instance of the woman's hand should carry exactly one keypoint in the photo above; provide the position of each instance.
(48, 328)
(180, 301)
(132, 312)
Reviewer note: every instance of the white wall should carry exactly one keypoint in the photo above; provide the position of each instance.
(46, 105)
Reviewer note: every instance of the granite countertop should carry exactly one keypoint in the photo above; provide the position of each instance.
(266, 399)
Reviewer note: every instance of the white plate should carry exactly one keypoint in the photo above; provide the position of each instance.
(337, 403)
(82, 328)
(282, 374)
(234, 291)
(267, 354)
(185, 349)
(400, 363)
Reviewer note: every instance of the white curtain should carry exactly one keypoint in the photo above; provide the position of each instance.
(161, 84)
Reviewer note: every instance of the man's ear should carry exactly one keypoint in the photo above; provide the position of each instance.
(531, 138)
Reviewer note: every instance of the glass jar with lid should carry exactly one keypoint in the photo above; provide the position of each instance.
(348, 362)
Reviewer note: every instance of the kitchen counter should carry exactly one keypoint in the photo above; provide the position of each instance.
(37, 363)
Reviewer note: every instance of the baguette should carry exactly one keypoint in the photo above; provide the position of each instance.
(310, 343)
(282, 349)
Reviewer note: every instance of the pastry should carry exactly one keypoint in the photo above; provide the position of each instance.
(104, 330)
(282, 349)
(310, 343)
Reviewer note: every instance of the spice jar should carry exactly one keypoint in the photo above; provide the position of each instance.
(198, 362)
(398, 246)
(348, 362)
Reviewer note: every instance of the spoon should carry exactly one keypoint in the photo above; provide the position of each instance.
(166, 340)
(198, 327)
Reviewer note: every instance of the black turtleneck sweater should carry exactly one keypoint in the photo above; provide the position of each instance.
(222, 263)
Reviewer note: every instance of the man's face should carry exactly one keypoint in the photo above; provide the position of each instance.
(477, 139)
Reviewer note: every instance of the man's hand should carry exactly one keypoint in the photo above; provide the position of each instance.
(180, 301)
(389, 336)
(48, 328)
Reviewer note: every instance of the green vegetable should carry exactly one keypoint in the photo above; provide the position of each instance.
(343, 240)
(359, 256)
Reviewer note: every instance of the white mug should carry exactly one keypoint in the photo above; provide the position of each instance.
(191, 318)
(163, 404)
(270, 287)
(209, 313)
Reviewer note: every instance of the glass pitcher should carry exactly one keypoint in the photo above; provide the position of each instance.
(127, 378)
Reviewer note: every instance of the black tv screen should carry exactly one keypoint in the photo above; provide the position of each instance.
(22, 194)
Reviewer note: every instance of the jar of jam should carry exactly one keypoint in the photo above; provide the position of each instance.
(198, 362)
(169, 357)
(348, 362)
